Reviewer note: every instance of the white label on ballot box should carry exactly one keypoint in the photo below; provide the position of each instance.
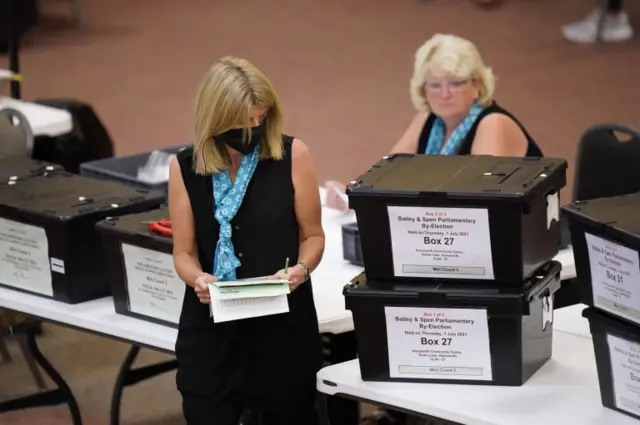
(24, 257)
(438, 343)
(615, 277)
(625, 372)
(153, 286)
(441, 242)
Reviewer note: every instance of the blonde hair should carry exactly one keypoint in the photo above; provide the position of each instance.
(231, 87)
(454, 55)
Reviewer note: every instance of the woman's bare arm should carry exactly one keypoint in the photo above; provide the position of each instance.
(408, 142)
(185, 249)
(499, 135)
(307, 206)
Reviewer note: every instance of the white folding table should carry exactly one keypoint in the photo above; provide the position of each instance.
(564, 391)
(99, 317)
(44, 120)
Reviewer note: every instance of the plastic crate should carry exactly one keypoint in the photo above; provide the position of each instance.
(144, 283)
(453, 333)
(605, 235)
(351, 248)
(125, 169)
(50, 246)
(616, 346)
(458, 218)
(18, 167)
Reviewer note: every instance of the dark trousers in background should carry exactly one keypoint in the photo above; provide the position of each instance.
(615, 5)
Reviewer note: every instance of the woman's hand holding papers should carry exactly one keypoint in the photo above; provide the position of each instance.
(201, 286)
(296, 275)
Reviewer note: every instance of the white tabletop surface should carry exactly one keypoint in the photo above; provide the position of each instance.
(564, 392)
(328, 280)
(5, 74)
(569, 320)
(44, 120)
(99, 315)
(565, 257)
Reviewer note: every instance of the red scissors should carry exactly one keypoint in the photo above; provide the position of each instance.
(161, 227)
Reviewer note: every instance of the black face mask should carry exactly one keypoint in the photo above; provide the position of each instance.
(234, 138)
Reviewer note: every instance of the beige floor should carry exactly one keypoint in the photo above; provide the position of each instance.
(90, 364)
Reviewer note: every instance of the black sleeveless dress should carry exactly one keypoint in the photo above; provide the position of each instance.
(465, 148)
(264, 362)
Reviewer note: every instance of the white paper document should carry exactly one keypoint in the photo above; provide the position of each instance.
(438, 343)
(247, 298)
(434, 242)
(154, 288)
(24, 257)
(625, 373)
(615, 277)
(253, 281)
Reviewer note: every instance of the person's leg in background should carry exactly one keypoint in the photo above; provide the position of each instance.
(615, 27)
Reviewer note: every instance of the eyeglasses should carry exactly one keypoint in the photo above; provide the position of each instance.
(455, 86)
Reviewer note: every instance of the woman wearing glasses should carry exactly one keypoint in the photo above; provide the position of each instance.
(452, 90)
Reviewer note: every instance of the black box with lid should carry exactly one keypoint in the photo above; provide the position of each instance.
(351, 247)
(452, 333)
(605, 234)
(144, 283)
(474, 218)
(48, 242)
(18, 167)
(617, 350)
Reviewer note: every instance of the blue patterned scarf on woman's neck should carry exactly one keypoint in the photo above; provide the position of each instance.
(228, 197)
(437, 145)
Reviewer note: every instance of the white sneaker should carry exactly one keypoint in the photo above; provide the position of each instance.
(614, 28)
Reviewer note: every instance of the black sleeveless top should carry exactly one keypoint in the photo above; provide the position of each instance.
(268, 358)
(465, 148)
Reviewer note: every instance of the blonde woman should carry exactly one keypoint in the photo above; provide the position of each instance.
(243, 203)
(452, 90)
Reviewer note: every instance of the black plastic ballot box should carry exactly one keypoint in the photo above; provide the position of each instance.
(48, 242)
(617, 350)
(144, 283)
(18, 167)
(454, 333)
(605, 234)
(473, 218)
(124, 169)
(351, 246)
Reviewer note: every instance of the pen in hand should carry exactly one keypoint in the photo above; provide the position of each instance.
(286, 265)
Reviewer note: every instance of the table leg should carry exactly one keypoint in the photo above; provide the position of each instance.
(4, 351)
(340, 348)
(323, 409)
(127, 376)
(33, 367)
(60, 395)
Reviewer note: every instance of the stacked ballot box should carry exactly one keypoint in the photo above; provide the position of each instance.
(459, 277)
(605, 235)
(127, 169)
(143, 279)
(48, 242)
